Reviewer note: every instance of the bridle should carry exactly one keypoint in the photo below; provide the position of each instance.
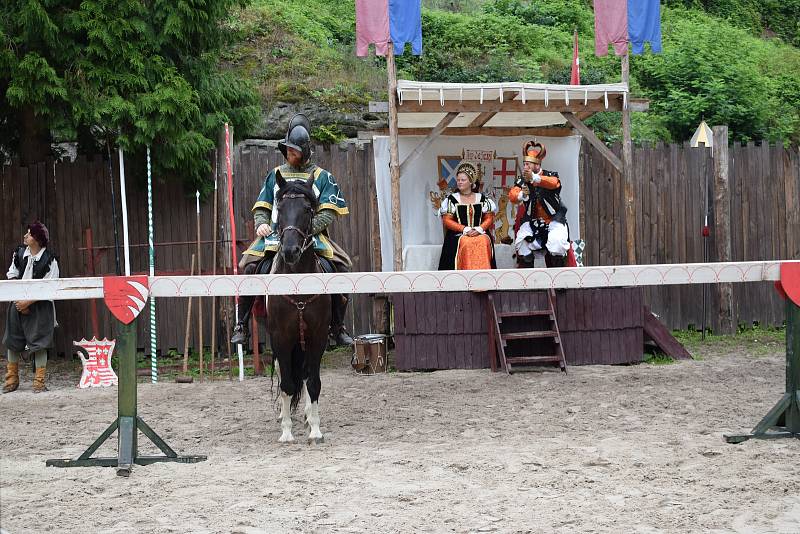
(308, 241)
(306, 235)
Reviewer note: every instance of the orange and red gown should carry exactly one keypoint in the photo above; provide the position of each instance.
(460, 251)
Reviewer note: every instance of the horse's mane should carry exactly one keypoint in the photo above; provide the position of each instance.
(299, 187)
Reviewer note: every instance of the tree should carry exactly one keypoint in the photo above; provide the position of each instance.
(119, 72)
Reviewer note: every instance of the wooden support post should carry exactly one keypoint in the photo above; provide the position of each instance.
(627, 169)
(722, 224)
(425, 143)
(90, 263)
(394, 159)
(783, 420)
(590, 136)
(128, 423)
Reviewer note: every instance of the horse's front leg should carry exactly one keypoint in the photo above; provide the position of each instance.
(286, 418)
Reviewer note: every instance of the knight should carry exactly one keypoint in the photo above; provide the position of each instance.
(257, 259)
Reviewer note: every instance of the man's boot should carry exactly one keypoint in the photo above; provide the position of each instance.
(12, 377)
(38, 380)
(338, 335)
(241, 333)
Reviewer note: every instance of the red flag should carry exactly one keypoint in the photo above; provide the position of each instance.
(575, 76)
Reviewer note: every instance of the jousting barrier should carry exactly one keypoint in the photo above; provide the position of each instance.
(126, 297)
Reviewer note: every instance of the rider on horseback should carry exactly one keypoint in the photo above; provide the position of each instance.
(257, 259)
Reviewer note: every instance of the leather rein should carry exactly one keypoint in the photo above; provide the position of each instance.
(308, 241)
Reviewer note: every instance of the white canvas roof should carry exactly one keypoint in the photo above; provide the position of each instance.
(512, 104)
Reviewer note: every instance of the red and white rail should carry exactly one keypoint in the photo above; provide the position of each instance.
(407, 281)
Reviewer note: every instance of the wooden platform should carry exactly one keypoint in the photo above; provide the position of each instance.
(449, 330)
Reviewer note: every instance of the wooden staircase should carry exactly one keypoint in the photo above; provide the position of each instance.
(524, 339)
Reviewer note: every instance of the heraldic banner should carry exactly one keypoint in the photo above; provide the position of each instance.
(428, 180)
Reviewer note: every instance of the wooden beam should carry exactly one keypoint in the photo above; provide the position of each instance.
(627, 172)
(722, 224)
(486, 116)
(593, 139)
(513, 106)
(489, 131)
(394, 160)
(423, 281)
(425, 143)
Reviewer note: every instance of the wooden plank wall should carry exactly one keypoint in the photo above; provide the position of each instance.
(670, 207)
(448, 330)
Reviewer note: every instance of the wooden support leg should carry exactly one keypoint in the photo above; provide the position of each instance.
(127, 423)
(783, 420)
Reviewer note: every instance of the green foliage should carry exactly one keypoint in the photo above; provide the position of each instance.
(328, 133)
(125, 73)
(751, 87)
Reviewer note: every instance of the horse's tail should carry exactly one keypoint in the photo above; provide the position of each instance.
(297, 376)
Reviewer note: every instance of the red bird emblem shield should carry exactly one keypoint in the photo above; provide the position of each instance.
(125, 296)
(790, 281)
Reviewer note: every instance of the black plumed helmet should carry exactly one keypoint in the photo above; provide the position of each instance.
(298, 137)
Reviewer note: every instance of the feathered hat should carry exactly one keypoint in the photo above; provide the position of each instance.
(534, 152)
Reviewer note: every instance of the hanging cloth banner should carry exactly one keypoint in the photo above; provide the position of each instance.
(381, 21)
(619, 22)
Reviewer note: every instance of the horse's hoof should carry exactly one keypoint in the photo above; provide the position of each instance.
(286, 439)
(316, 441)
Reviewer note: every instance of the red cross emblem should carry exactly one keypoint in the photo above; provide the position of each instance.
(97, 369)
(125, 296)
(505, 167)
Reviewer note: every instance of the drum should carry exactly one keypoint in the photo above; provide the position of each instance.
(369, 355)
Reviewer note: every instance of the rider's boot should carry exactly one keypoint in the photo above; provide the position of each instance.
(338, 335)
(241, 333)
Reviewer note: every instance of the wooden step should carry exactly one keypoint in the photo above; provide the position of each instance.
(533, 313)
(532, 360)
(530, 335)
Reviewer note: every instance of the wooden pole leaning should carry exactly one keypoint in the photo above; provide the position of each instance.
(783, 420)
(128, 422)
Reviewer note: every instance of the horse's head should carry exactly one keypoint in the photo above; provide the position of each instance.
(297, 204)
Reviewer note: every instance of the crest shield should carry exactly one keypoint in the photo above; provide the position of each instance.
(125, 296)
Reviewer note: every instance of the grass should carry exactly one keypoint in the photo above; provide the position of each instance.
(753, 340)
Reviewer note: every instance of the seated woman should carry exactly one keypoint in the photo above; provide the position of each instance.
(468, 218)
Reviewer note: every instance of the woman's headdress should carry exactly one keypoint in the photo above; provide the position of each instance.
(469, 169)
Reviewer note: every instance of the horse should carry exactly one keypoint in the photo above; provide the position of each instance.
(298, 324)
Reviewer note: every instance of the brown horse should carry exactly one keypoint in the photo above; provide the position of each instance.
(298, 324)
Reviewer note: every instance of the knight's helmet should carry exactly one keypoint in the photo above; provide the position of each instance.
(298, 136)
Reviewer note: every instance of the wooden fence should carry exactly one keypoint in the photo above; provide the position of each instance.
(74, 201)
(670, 206)
(72, 198)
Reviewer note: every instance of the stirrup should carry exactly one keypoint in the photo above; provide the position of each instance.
(240, 334)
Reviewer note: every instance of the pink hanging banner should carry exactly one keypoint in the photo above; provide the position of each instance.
(372, 26)
(610, 26)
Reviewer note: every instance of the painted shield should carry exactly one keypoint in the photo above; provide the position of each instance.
(125, 296)
(790, 281)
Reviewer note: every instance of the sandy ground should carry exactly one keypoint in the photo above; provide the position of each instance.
(602, 449)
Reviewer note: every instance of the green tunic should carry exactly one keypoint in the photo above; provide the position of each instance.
(328, 194)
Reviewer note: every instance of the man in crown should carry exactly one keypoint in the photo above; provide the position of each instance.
(541, 222)
(257, 259)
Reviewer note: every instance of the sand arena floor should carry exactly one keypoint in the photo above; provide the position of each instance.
(602, 449)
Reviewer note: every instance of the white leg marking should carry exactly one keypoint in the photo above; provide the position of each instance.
(313, 421)
(307, 408)
(286, 419)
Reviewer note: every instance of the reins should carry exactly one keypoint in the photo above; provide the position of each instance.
(308, 241)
